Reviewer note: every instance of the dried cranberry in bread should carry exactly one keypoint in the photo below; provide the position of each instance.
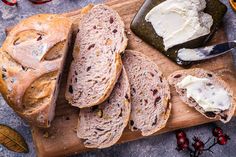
(150, 93)
(31, 58)
(97, 61)
(215, 81)
(102, 125)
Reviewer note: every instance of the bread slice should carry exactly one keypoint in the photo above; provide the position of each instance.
(177, 76)
(32, 57)
(97, 63)
(102, 125)
(150, 93)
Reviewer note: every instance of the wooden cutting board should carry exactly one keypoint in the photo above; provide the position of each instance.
(61, 140)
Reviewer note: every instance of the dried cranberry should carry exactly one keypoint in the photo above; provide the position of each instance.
(10, 2)
(181, 140)
(198, 147)
(182, 143)
(217, 131)
(222, 139)
(111, 20)
(180, 134)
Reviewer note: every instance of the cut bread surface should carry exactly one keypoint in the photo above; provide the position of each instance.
(150, 93)
(102, 125)
(97, 63)
(178, 76)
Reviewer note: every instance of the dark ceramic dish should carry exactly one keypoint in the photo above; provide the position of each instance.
(145, 31)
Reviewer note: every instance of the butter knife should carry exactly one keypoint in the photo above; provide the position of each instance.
(203, 53)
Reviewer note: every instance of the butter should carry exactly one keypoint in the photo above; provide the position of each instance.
(179, 21)
(208, 96)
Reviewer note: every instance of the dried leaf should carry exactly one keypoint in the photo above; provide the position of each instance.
(233, 4)
(12, 140)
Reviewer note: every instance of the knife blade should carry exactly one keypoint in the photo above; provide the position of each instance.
(203, 53)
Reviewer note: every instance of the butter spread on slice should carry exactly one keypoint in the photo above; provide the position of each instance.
(209, 96)
(179, 21)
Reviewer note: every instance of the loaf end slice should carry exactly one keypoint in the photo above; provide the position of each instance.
(101, 126)
(150, 93)
(32, 58)
(178, 76)
(97, 62)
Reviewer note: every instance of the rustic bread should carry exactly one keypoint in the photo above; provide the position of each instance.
(178, 76)
(31, 58)
(102, 125)
(97, 62)
(150, 93)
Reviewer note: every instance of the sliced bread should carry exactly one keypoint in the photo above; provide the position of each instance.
(102, 125)
(215, 81)
(97, 63)
(150, 93)
(32, 58)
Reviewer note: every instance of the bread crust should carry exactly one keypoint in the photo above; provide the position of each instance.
(34, 48)
(177, 76)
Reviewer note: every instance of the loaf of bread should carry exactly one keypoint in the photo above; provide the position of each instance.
(212, 81)
(150, 93)
(102, 125)
(31, 58)
(97, 62)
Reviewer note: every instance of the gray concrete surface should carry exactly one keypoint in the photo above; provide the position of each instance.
(157, 146)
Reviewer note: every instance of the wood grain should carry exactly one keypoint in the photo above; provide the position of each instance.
(61, 140)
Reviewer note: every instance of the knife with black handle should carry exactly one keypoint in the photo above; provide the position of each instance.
(203, 53)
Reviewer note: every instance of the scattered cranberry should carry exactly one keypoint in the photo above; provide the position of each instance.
(222, 139)
(183, 144)
(180, 134)
(217, 132)
(182, 140)
(10, 2)
(198, 145)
